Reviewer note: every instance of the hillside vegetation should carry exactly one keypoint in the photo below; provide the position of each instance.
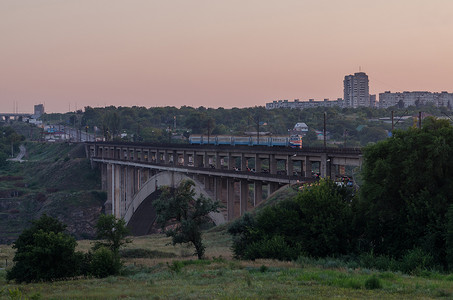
(55, 179)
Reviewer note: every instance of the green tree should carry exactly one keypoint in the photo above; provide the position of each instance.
(407, 189)
(113, 233)
(180, 205)
(45, 253)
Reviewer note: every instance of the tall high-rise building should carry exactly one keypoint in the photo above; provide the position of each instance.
(356, 90)
(39, 110)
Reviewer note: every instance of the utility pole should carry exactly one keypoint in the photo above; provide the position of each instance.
(325, 132)
(258, 131)
(209, 129)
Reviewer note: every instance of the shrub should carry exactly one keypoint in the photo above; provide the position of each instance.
(415, 261)
(45, 253)
(373, 283)
(104, 263)
(272, 247)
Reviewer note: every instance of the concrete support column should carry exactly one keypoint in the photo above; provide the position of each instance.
(323, 166)
(206, 160)
(110, 189)
(157, 157)
(333, 170)
(289, 165)
(307, 165)
(185, 158)
(230, 199)
(257, 164)
(198, 161)
(129, 183)
(258, 193)
(243, 162)
(117, 191)
(231, 163)
(218, 188)
(218, 161)
(244, 196)
(104, 179)
(272, 164)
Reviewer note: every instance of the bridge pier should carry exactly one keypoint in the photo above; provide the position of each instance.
(257, 193)
(230, 198)
(244, 196)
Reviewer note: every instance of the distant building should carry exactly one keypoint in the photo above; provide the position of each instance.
(301, 127)
(39, 111)
(406, 99)
(297, 104)
(356, 91)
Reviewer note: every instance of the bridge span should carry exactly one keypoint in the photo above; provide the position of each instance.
(237, 176)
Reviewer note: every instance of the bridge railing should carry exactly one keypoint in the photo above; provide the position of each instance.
(181, 146)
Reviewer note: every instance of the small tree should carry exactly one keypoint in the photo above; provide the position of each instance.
(45, 253)
(113, 232)
(179, 205)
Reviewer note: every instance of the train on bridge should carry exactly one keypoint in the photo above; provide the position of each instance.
(293, 141)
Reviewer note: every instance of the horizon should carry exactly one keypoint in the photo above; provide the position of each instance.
(72, 54)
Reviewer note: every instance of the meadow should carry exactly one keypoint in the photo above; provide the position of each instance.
(156, 270)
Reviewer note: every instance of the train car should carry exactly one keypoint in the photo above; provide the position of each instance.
(294, 141)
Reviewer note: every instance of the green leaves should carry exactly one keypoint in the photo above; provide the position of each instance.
(187, 213)
(407, 189)
(44, 253)
(113, 231)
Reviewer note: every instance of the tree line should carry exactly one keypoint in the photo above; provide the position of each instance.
(352, 127)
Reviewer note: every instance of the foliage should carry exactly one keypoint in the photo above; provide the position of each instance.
(157, 124)
(112, 231)
(179, 205)
(449, 238)
(318, 222)
(373, 283)
(407, 190)
(104, 263)
(44, 253)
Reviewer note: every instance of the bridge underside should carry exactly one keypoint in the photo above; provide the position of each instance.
(131, 192)
(144, 217)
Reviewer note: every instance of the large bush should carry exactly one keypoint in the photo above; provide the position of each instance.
(45, 253)
(317, 222)
(104, 262)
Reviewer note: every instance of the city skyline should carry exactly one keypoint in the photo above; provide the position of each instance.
(72, 54)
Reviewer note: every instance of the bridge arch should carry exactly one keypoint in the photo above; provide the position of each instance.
(151, 186)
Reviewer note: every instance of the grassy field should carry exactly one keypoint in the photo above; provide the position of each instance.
(169, 272)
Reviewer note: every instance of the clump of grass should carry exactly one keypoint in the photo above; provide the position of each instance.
(248, 279)
(263, 269)
(176, 266)
(373, 283)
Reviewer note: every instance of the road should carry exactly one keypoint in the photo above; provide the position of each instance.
(20, 155)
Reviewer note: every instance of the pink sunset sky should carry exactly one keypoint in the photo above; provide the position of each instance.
(213, 53)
